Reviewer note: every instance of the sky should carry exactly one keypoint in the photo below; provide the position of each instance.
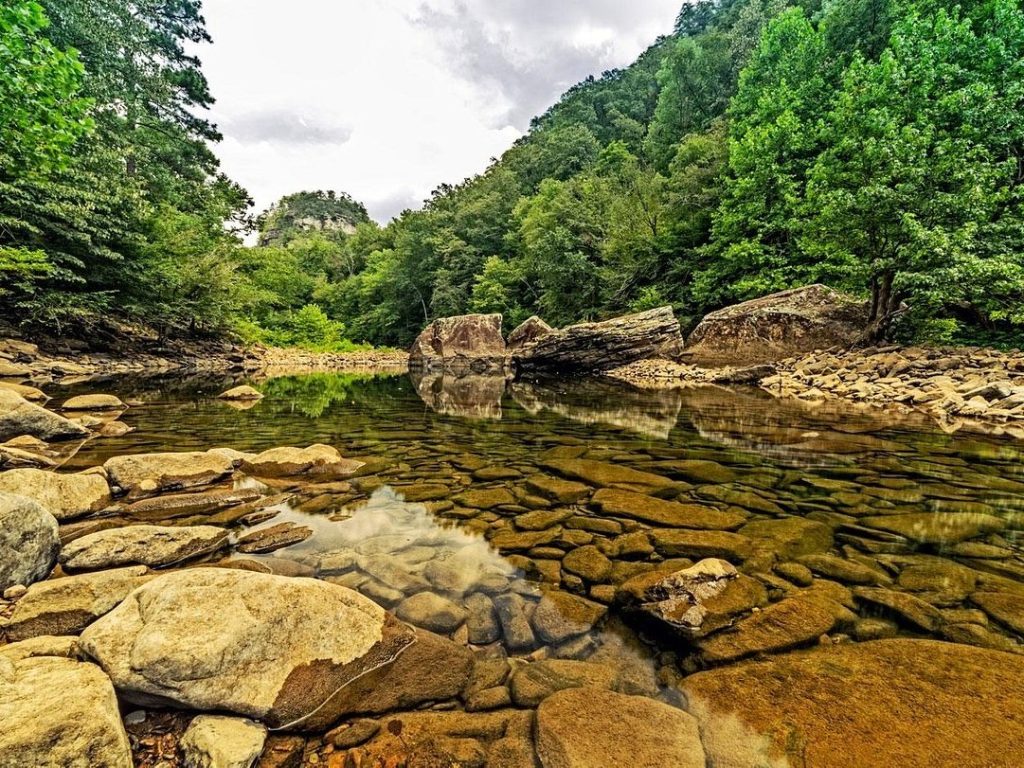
(388, 99)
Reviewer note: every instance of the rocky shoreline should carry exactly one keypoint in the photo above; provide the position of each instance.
(969, 388)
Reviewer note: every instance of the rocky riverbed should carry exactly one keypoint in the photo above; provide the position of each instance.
(352, 571)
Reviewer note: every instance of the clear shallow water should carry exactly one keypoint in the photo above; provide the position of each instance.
(447, 506)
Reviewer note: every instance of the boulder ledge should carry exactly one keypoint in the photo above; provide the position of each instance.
(460, 345)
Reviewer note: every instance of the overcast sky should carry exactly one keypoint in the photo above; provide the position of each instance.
(387, 99)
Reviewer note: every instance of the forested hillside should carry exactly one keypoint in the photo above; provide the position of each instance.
(875, 145)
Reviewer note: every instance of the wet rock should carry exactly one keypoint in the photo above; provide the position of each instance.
(515, 622)
(33, 394)
(272, 538)
(649, 509)
(833, 707)
(912, 609)
(848, 571)
(939, 580)
(485, 498)
(700, 544)
(557, 489)
(695, 601)
(431, 611)
(385, 569)
(561, 616)
(790, 537)
(526, 332)
(243, 392)
(67, 605)
(29, 541)
(534, 682)
(153, 545)
(635, 544)
(352, 734)
(93, 403)
(60, 712)
(65, 496)
(588, 563)
(937, 527)
(212, 741)
(317, 460)
(20, 417)
(460, 345)
(214, 639)
(16, 458)
(778, 326)
(603, 474)
(481, 620)
(542, 519)
(798, 574)
(585, 727)
(173, 505)
(605, 345)
(1004, 607)
(792, 622)
(150, 473)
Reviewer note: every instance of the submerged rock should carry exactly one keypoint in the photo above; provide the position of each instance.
(460, 345)
(587, 727)
(936, 527)
(152, 545)
(213, 741)
(150, 473)
(649, 509)
(20, 417)
(534, 682)
(907, 703)
(560, 616)
(604, 474)
(29, 541)
(273, 648)
(786, 624)
(60, 712)
(778, 326)
(605, 345)
(65, 496)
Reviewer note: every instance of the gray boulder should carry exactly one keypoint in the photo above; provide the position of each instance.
(29, 542)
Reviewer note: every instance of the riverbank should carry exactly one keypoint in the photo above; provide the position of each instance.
(68, 361)
(959, 387)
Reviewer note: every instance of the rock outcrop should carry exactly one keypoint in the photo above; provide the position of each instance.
(778, 326)
(603, 346)
(526, 332)
(268, 647)
(20, 417)
(60, 712)
(849, 706)
(460, 345)
(28, 541)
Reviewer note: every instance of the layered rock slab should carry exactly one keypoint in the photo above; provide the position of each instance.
(273, 648)
(901, 702)
(153, 545)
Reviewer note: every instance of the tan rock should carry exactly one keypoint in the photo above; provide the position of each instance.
(29, 541)
(153, 545)
(243, 392)
(20, 417)
(93, 403)
(149, 473)
(286, 462)
(213, 741)
(65, 496)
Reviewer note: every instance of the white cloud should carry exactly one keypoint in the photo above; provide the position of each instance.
(387, 99)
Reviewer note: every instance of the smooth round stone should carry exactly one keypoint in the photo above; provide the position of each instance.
(431, 611)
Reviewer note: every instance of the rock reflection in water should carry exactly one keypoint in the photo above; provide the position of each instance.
(473, 396)
(602, 401)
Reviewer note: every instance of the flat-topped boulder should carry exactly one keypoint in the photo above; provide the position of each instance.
(242, 393)
(778, 326)
(29, 541)
(153, 545)
(901, 702)
(68, 605)
(149, 473)
(64, 496)
(273, 648)
(20, 417)
(461, 345)
(94, 403)
(60, 712)
(604, 345)
(289, 461)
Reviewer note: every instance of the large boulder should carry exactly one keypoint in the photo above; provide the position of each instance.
(527, 332)
(460, 345)
(778, 326)
(603, 346)
(65, 496)
(907, 703)
(29, 541)
(272, 648)
(60, 712)
(152, 545)
(587, 727)
(149, 473)
(20, 417)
